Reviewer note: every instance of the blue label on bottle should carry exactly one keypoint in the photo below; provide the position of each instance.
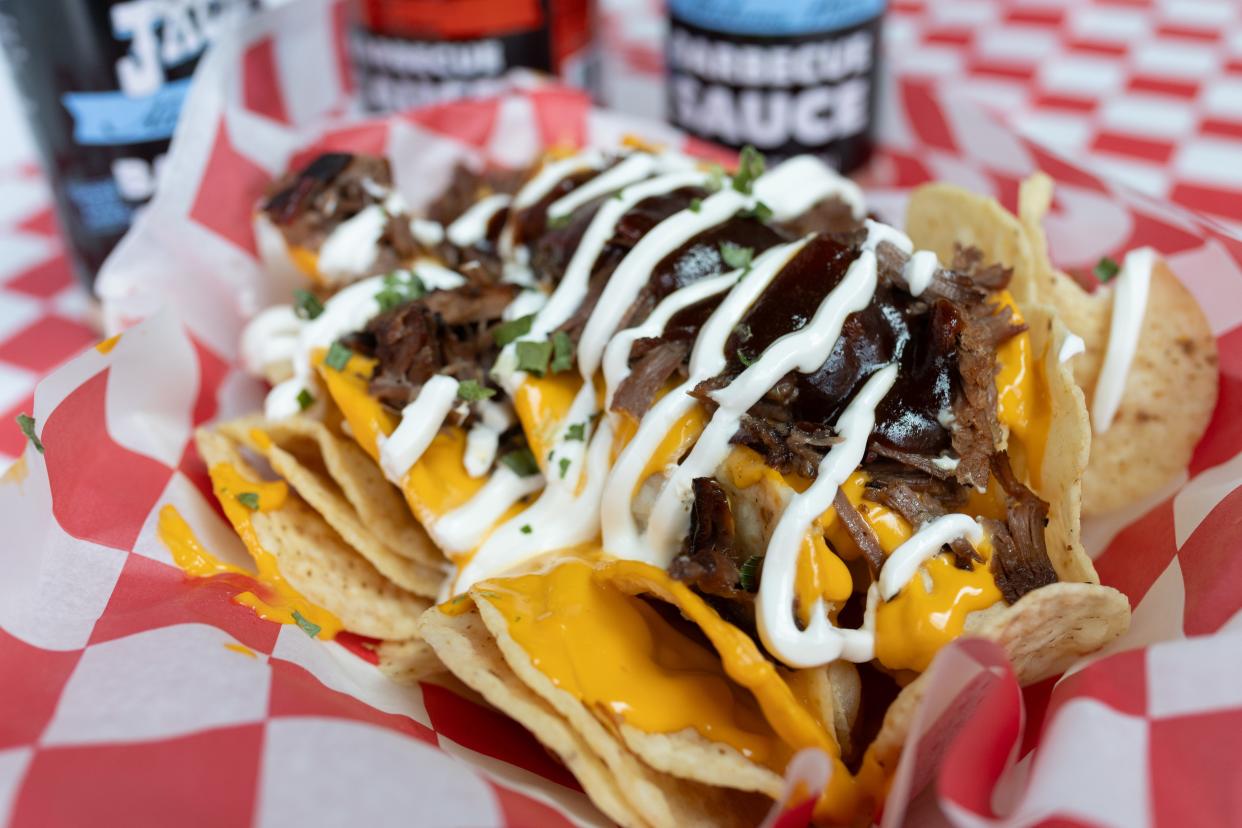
(774, 18)
(112, 118)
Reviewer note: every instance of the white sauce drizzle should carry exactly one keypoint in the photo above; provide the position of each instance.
(420, 421)
(1130, 290)
(470, 227)
(632, 169)
(1071, 347)
(351, 248)
(426, 232)
(804, 350)
(621, 534)
(800, 183)
(919, 270)
(270, 339)
(820, 642)
(925, 544)
(616, 363)
(436, 276)
(466, 526)
(484, 437)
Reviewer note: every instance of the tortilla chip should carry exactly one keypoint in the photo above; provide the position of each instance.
(659, 798)
(941, 217)
(1172, 386)
(1042, 634)
(317, 562)
(409, 661)
(466, 648)
(299, 461)
(688, 754)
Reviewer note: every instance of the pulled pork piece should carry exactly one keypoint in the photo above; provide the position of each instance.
(790, 448)
(706, 562)
(466, 186)
(652, 362)
(1020, 558)
(860, 531)
(309, 203)
(921, 501)
(445, 332)
(921, 462)
(977, 432)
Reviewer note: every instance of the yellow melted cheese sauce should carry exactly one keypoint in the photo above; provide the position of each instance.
(1022, 401)
(584, 628)
(272, 597)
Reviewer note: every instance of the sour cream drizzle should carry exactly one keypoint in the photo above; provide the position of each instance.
(420, 420)
(470, 227)
(821, 642)
(1130, 289)
(925, 544)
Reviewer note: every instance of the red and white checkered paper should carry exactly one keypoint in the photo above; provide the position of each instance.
(124, 698)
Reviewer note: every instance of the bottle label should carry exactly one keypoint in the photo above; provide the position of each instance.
(785, 94)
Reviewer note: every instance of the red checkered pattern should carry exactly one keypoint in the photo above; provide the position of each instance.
(44, 317)
(1146, 91)
(132, 695)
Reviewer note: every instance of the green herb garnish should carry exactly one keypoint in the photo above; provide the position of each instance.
(397, 290)
(306, 305)
(760, 211)
(577, 431)
(249, 499)
(1106, 269)
(559, 222)
(736, 256)
(308, 627)
(564, 465)
(507, 332)
(521, 462)
(715, 178)
(745, 358)
(27, 424)
(526, 530)
(750, 166)
(748, 573)
(534, 356)
(470, 390)
(696, 204)
(337, 357)
(562, 352)
(305, 400)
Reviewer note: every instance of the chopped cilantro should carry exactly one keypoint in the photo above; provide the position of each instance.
(305, 400)
(564, 465)
(533, 357)
(562, 352)
(696, 204)
(760, 211)
(509, 331)
(748, 573)
(715, 178)
(557, 222)
(750, 166)
(308, 627)
(1106, 269)
(745, 358)
(470, 390)
(526, 530)
(337, 357)
(248, 499)
(27, 424)
(521, 462)
(618, 195)
(577, 431)
(306, 305)
(736, 256)
(397, 290)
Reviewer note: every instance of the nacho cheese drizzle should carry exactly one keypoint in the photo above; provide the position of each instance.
(1130, 289)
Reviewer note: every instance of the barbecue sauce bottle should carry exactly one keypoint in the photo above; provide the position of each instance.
(409, 53)
(790, 77)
